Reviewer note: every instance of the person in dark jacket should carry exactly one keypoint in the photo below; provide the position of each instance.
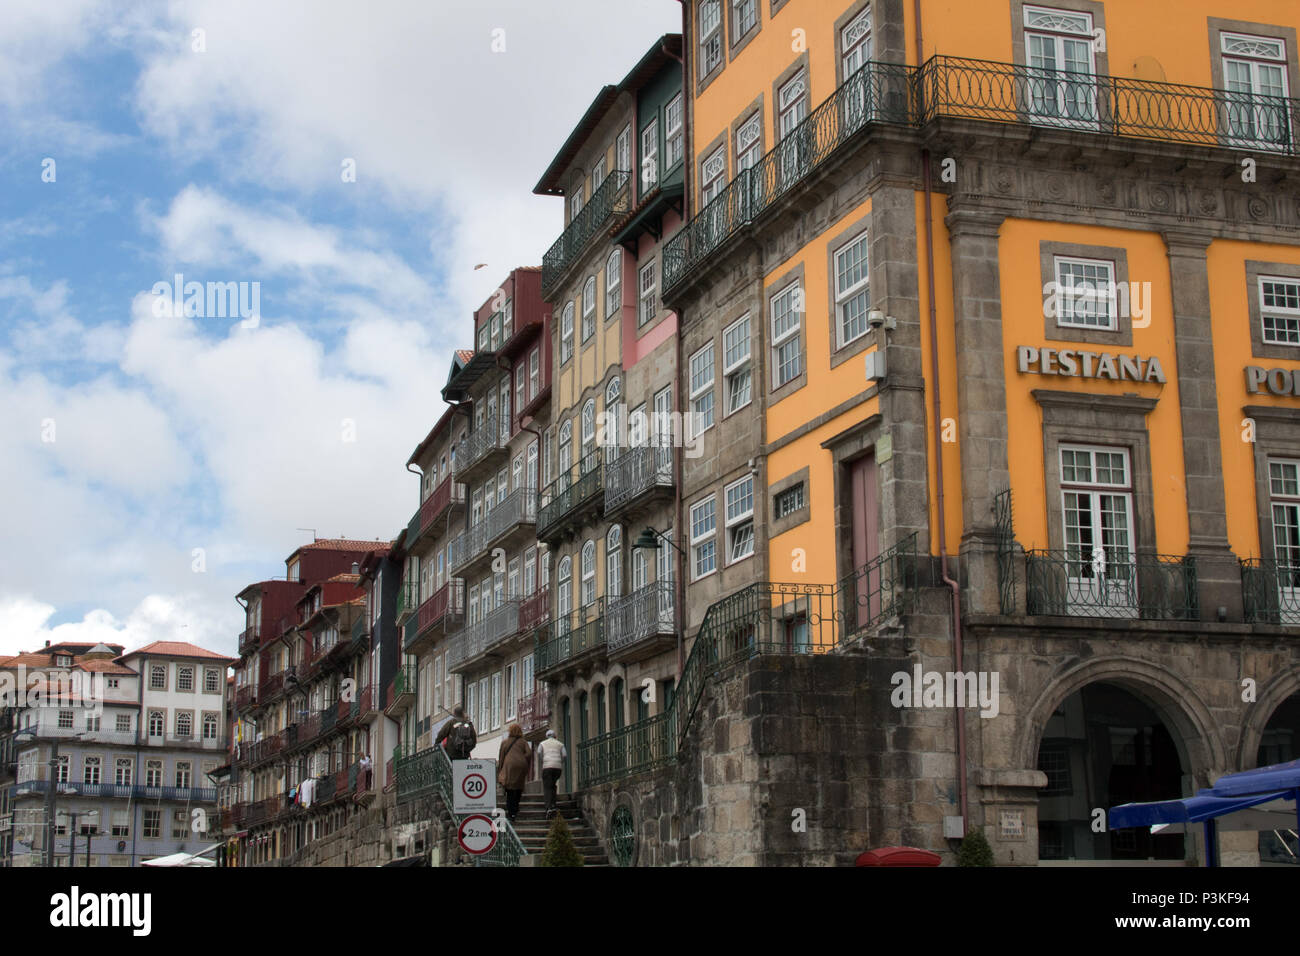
(447, 735)
(513, 761)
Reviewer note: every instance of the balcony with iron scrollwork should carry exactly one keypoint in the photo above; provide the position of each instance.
(510, 522)
(1270, 591)
(575, 496)
(613, 198)
(449, 495)
(637, 477)
(642, 624)
(484, 638)
(535, 712)
(401, 691)
(569, 641)
(535, 609)
(1111, 585)
(483, 449)
(249, 639)
(444, 606)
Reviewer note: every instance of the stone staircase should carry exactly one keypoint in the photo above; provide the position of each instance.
(532, 826)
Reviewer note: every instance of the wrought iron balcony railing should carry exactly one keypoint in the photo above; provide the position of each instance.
(1270, 591)
(1118, 106)
(876, 93)
(569, 637)
(118, 791)
(636, 472)
(645, 613)
(407, 598)
(448, 493)
(482, 444)
(248, 640)
(1111, 585)
(580, 487)
(612, 198)
(535, 711)
(446, 603)
(518, 508)
(535, 609)
(494, 628)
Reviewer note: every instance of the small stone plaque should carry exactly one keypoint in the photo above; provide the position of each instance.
(884, 448)
(1011, 824)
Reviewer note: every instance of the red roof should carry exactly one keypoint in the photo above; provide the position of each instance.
(464, 354)
(102, 666)
(178, 649)
(341, 544)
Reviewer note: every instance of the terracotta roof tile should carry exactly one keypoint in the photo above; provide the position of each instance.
(342, 544)
(464, 354)
(105, 667)
(178, 649)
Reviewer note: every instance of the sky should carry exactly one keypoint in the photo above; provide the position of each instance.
(345, 166)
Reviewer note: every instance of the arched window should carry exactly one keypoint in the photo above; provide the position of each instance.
(589, 308)
(614, 563)
(566, 448)
(589, 574)
(564, 592)
(613, 406)
(613, 283)
(566, 333)
(588, 430)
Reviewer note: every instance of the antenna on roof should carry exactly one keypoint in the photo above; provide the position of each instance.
(312, 530)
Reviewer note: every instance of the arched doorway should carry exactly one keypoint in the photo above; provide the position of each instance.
(1104, 746)
(1280, 743)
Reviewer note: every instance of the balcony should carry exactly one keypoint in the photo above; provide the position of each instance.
(638, 476)
(448, 494)
(408, 599)
(248, 640)
(477, 640)
(1270, 591)
(642, 624)
(73, 788)
(535, 609)
(445, 604)
(569, 641)
(360, 631)
(613, 198)
(366, 702)
(522, 332)
(508, 519)
(401, 692)
(245, 698)
(1145, 586)
(486, 446)
(270, 686)
(577, 494)
(535, 712)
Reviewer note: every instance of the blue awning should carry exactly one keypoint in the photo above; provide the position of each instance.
(1279, 776)
(1232, 813)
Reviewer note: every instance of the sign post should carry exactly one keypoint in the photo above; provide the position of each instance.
(474, 786)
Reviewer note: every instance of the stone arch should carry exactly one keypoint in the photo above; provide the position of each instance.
(1258, 715)
(1175, 701)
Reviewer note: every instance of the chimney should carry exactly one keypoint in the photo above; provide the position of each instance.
(47, 643)
(356, 568)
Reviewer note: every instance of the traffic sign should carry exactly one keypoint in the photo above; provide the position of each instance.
(473, 785)
(477, 834)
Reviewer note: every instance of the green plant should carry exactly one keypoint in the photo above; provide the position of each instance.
(560, 849)
(975, 850)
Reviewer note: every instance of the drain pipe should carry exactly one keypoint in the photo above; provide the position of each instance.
(952, 585)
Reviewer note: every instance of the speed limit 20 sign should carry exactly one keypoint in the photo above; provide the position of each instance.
(474, 785)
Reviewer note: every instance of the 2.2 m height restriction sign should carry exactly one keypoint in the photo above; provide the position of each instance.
(477, 834)
(473, 785)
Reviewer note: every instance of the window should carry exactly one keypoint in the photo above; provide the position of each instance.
(792, 104)
(749, 143)
(673, 136)
(588, 434)
(530, 572)
(211, 681)
(484, 702)
(92, 722)
(589, 574)
(180, 825)
(715, 175)
(158, 677)
(564, 596)
(740, 519)
(1254, 72)
(647, 309)
(855, 44)
(484, 337)
(209, 726)
(614, 562)
(1284, 490)
(744, 17)
(1098, 521)
(566, 333)
(123, 723)
(613, 283)
(112, 683)
(184, 770)
(1085, 293)
(710, 36)
(623, 150)
(534, 373)
(512, 691)
(152, 824)
(612, 427)
(589, 308)
(521, 387)
(155, 723)
(530, 467)
(1279, 310)
(704, 523)
(153, 770)
(185, 678)
(702, 390)
(471, 702)
(650, 154)
(90, 770)
(184, 723)
(789, 501)
(575, 201)
(121, 825)
(566, 447)
(65, 720)
(735, 364)
(664, 558)
(63, 768)
(1060, 84)
(788, 358)
(496, 701)
(597, 174)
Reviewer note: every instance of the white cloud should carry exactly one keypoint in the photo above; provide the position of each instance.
(156, 618)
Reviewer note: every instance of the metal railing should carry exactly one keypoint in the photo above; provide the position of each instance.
(1118, 106)
(876, 93)
(579, 486)
(535, 609)
(1270, 591)
(535, 711)
(447, 601)
(637, 471)
(518, 508)
(768, 618)
(481, 443)
(1113, 585)
(120, 791)
(568, 637)
(614, 196)
(448, 492)
(498, 625)
(430, 770)
(647, 612)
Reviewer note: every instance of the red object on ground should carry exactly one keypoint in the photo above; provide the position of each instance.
(898, 856)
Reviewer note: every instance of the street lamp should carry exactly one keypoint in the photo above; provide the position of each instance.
(72, 835)
(50, 801)
(648, 540)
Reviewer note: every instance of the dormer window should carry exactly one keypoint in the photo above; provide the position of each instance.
(63, 660)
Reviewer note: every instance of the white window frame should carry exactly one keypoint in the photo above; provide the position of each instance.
(704, 539)
(566, 333)
(710, 29)
(614, 562)
(780, 337)
(1066, 315)
(743, 11)
(1050, 99)
(1289, 332)
(647, 294)
(858, 290)
(740, 519)
(588, 569)
(1104, 581)
(749, 142)
(855, 43)
(737, 371)
(534, 372)
(673, 132)
(613, 284)
(650, 155)
(1250, 52)
(702, 399)
(588, 308)
(713, 173)
(623, 150)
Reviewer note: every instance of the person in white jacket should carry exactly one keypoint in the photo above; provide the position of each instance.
(552, 754)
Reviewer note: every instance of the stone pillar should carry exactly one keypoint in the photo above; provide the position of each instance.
(981, 395)
(1217, 572)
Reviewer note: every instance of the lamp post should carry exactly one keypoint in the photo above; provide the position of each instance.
(648, 540)
(72, 836)
(50, 799)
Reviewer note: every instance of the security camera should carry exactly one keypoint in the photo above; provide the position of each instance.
(875, 318)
